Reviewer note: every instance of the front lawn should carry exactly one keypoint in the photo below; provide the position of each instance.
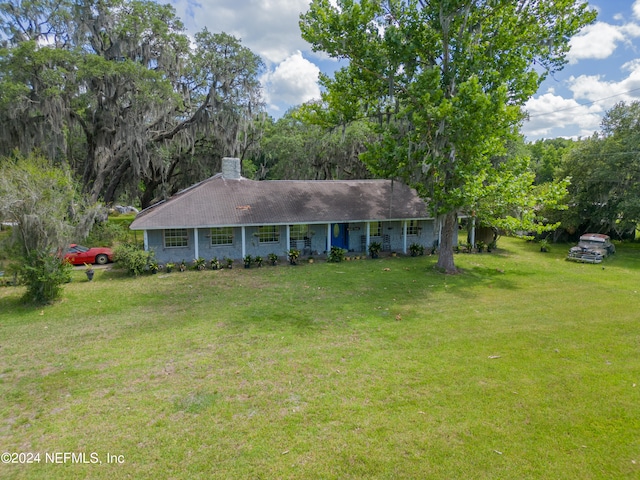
(525, 366)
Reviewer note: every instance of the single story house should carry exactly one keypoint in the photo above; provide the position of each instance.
(231, 216)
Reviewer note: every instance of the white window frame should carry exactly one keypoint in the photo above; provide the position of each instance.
(269, 234)
(175, 235)
(299, 231)
(221, 236)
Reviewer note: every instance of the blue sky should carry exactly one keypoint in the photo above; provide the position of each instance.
(603, 69)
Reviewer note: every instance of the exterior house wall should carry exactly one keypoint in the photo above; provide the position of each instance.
(164, 254)
(256, 248)
(207, 251)
(427, 236)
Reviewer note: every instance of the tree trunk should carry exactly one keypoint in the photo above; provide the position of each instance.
(116, 179)
(445, 255)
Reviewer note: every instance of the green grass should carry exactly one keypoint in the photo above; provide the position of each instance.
(524, 366)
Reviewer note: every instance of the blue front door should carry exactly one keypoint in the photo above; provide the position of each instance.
(340, 235)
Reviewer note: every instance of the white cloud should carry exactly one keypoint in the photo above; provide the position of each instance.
(593, 95)
(595, 88)
(636, 9)
(550, 112)
(600, 40)
(268, 27)
(294, 81)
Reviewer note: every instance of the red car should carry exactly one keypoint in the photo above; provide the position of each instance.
(79, 255)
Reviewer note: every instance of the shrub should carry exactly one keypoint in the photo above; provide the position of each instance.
(133, 259)
(199, 263)
(544, 245)
(293, 255)
(416, 249)
(336, 255)
(43, 274)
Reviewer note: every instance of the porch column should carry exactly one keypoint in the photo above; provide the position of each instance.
(368, 241)
(288, 237)
(196, 249)
(145, 236)
(328, 237)
(244, 245)
(404, 237)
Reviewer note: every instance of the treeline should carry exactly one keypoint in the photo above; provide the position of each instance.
(604, 172)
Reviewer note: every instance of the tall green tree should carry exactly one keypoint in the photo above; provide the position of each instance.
(444, 80)
(511, 200)
(547, 157)
(42, 202)
(293, 148)
(115, 88)
(605, 175)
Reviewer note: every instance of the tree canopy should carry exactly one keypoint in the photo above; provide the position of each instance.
(116, 89)
(512, 200)
(444, 82)
(294, 148)
(605, 175)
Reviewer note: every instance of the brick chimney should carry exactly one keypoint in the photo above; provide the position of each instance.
(231, 168)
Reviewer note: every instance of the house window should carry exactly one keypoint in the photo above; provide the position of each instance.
(176, 237)
(375, 229)
(269, 234)
(222, 236)
(412, 227)
(299, 232)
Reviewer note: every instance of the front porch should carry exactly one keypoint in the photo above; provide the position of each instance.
(236, 242)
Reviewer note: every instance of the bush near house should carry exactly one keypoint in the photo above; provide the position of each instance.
(336, 255)
(132, 258)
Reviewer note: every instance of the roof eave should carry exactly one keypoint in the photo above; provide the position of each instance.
(313, 222)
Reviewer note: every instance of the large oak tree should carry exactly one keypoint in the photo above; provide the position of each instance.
(445, 81)
(119, 91)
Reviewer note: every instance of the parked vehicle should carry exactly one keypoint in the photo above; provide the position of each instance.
(592, 248)
(79, 255)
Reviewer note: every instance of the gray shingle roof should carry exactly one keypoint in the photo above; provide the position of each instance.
(218, 201)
